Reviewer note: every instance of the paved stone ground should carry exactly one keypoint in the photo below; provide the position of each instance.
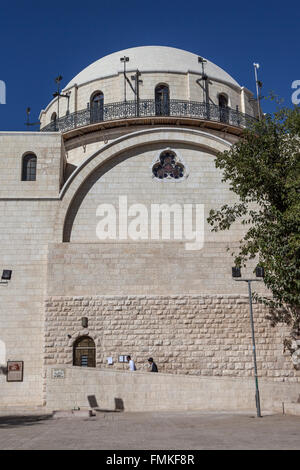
(189, 430)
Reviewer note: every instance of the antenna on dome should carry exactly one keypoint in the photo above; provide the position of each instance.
(202, 61)
(124, 60)
(137, 90)
(126, 79)
(258, 89)
(58, 94)
(28, 123)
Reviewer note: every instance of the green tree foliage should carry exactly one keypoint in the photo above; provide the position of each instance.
(263, 169)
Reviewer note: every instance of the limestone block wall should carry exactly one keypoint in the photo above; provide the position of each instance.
(131, 176)
(27, 214)
(141, 267)
(178, 85)
(111, 87)
(27, 226)
(80, 147)
(25, 229)
(50, 162)
(206, 335)
(140, 391)
(214, 89)
(248, 102)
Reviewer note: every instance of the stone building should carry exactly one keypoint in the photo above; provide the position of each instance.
(99, 227)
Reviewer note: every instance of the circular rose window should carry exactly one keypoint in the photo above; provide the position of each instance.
(167, 166)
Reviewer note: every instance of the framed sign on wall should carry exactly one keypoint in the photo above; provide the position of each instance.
(123, 358)
(15, 371)
(58, 373)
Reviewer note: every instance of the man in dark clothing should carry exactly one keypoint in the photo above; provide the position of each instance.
(153, 366)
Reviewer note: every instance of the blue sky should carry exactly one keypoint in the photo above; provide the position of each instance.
(40, 40)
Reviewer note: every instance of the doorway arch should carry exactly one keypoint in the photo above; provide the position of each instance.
(84, 352)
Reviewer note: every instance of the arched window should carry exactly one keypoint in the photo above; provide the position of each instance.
(53, 121)
(223, 105)
(84, 352)
(96, 105)
(29, 167)
(223, 101)
(162, 100)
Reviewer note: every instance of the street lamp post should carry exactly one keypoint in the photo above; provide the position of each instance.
(236, 273)
(258, 88)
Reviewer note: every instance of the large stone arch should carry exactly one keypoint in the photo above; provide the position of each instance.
(110, 155)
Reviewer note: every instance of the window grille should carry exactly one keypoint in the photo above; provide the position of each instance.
(29, 167)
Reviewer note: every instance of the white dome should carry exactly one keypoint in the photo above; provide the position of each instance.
(149, 59)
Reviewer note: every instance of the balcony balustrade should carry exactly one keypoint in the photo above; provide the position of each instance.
(150, 108)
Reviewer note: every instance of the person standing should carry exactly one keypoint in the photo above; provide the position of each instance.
(131, 363)
(153, 366)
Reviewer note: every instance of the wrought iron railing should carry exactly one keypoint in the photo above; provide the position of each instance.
(149, 108)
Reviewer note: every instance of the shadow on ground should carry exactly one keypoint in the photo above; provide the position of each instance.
(13, 421)
(119, 404)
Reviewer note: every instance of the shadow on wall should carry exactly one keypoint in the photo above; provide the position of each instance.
(3, 370)
(119, 404)
(13, 421)
(69, 170)
(3, 367)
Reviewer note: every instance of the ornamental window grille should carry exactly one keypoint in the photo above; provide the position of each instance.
(162, 100)
(29, 167)
(168, 166)
(97, 106)
(84, 352)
